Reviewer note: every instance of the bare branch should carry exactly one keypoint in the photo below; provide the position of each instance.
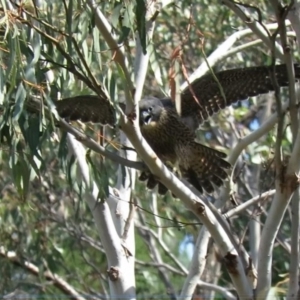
(57, 281)
(165, 248)
(255, 26)
(93, 145)
(294, 17)
(286, 181)
(197, 265)
(213, 287)
(242, 207)
(255, 135)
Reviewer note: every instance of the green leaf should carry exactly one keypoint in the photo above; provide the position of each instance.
(36, 51)
(31, 133)
(100, 176)
(97, 47)
(126, 23)
(116, 14)
(155, 66)
(71, 173)
(12, 66)
(69, 26)
(21, 175)
(20, 99)
(141, 22)
(63, 151)
(35, 164)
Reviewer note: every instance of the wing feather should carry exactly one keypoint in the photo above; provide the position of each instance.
(237, 84)
(87, 109)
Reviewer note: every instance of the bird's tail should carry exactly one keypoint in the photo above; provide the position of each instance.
(205, 168)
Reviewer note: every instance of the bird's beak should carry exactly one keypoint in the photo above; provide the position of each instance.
(147, 117)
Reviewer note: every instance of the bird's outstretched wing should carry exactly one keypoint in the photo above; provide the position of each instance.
(87, 109)
(237, 84)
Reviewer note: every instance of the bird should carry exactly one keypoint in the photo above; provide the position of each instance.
(172, 135)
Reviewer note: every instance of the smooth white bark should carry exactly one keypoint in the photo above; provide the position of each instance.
(117, 257)
(197, 265)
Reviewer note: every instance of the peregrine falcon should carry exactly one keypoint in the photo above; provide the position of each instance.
(172, 136)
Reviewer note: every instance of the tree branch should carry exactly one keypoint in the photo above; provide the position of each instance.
(197, 265)
(242, 207)
(57, 281)
(121, 271)
(255, 26)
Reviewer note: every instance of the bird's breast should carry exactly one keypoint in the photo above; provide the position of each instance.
(160, 140)
(169, 138)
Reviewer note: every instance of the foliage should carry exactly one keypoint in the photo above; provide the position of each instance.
(56, 51)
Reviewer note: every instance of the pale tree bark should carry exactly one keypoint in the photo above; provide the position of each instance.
(254, 25)
(120, 260)
(293, 290)
(110, 216)
(197, 264)
(286, 182)
(114, 218)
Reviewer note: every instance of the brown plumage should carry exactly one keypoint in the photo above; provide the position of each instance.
(174, 143)
(171, 136)
(87, 109)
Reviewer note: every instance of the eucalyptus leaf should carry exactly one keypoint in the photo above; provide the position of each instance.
(141, 11)
(20, 99)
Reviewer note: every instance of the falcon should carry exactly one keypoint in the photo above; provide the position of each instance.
(171, 135)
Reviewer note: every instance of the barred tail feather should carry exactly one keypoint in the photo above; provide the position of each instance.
(206, 168)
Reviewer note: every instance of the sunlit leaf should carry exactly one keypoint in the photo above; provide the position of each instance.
(20, 99)
(100, 177)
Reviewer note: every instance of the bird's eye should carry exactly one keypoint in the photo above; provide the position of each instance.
(150, 109)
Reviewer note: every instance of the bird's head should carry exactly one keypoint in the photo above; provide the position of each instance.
(150, 111)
